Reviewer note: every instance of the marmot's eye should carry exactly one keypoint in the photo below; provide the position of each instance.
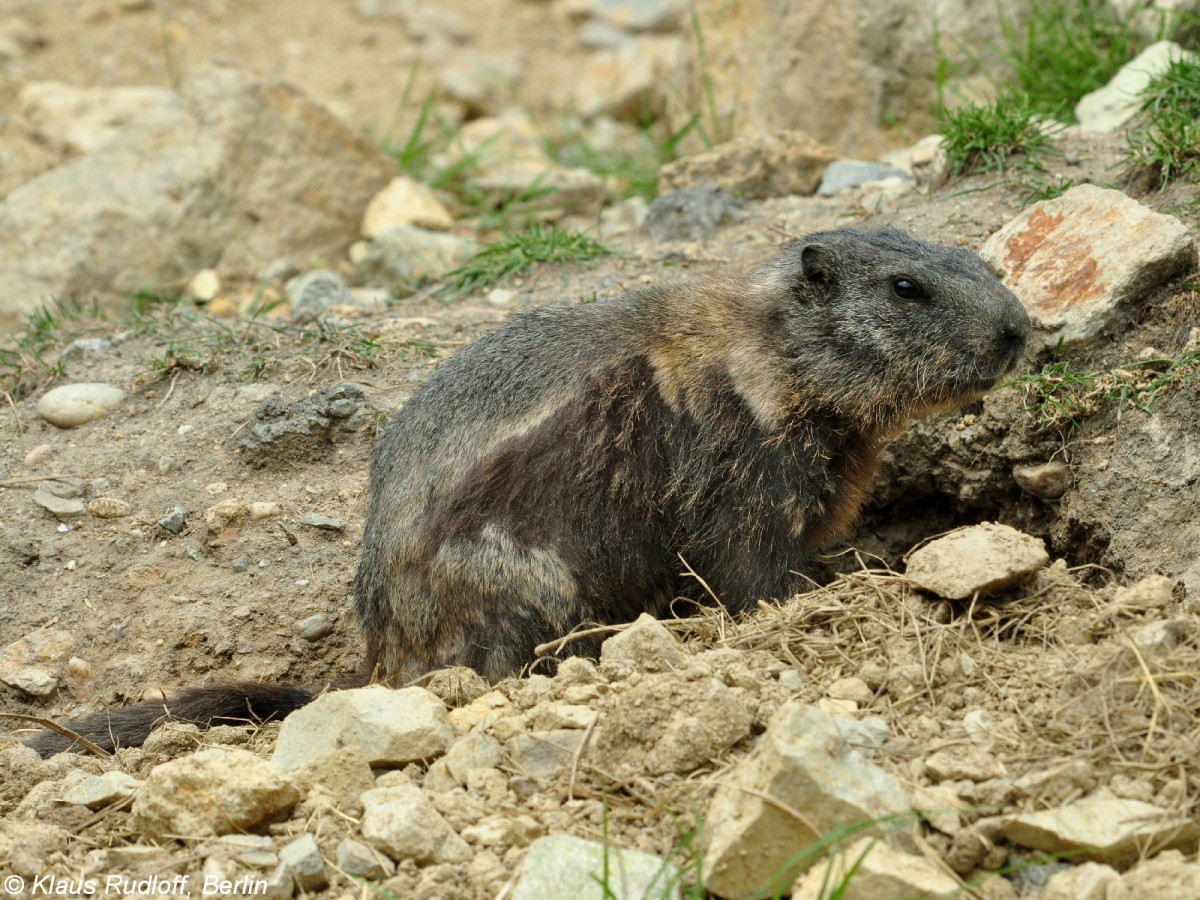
(907, 289)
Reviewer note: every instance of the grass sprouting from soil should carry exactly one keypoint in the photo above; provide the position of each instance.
(1168, 140)
(1061, 395)
(518, 253)
(993, 137)
(1067, 49)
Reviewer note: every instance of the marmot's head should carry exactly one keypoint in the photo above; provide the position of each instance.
(883, 326)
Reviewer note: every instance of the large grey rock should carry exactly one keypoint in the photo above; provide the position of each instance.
(391, 728)
(406, 255)
(402, 823)
(1103, 828)
(213, 792)
(232, 173)
(69, 405)
(564, 866)
(977, 559)
(1080, 262)
(801, 781)
(1110, 107)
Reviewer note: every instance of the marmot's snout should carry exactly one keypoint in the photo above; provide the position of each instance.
(1013, 334)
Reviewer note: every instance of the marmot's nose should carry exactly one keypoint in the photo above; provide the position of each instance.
(1015, 327)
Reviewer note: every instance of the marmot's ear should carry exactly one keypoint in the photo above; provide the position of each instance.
(818, 264)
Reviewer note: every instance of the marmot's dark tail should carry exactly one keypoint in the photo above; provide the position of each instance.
(227, 704)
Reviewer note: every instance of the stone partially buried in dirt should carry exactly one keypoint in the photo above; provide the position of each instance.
(882, 871)
(213, 792)
(977, 559)
(1081, 261)
(756, 167)
(391, 728)
(802, 762)
(564, 866)
(296, 430)
(402, 823)
(1103, 828)
(691, 214)
(405, 202)
(73, 404)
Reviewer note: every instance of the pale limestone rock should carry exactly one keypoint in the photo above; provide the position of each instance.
(83, 119)
(646, 645)
(883, 872)
(542, 754)
(73, 404)
(391, 727)
(1110, 107)
(340, 772)
(669, 723)
(1152, 592)
(1103, 828)
(1081, 261)
(976, 559)
(402, 823)
(357, 859)
(1047, 480)
(777, 164)
(405, 202)
(628, 80)
(1168, 875)
(561, 866)
(205, 285)
(304, 861)
(1087, 881)
(804, 762)
(472, 751)
(233, 173)
(212, 792)
(102, 790)
(964, 762)
(63, 508)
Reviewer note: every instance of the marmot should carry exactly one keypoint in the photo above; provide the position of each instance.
(563, 468)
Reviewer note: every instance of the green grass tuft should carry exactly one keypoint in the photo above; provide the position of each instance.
(1168, 141)
(992, 137)
(1069, 48)
(519, 253)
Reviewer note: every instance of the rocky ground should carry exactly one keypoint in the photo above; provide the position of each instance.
(1007, 718)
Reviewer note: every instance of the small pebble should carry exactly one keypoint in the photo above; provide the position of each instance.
(38, 455)
(501, 297)
(74, 404)
(263, 563)
(217, 487)
(81, 669)
(325, 523)
(313, 628)
(205, 285)
(241, 564)
(185, 430)
(264, 510)
(109, 508)
(175, 520)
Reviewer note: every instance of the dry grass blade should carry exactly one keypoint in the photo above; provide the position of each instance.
(60, 729)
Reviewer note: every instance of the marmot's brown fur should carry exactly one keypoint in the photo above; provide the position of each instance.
(563, 468)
